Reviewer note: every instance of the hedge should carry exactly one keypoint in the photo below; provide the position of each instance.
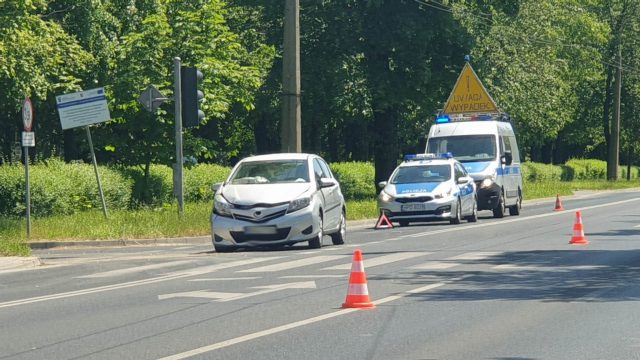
(357, 179)
(59, 188)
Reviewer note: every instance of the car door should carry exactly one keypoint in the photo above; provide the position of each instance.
(466, 189)
(332, 195)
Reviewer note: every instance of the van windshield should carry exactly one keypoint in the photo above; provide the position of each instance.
(467, 148)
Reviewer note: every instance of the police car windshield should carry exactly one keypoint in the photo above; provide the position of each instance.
(422, 174)
(270, 172)
(468, 148)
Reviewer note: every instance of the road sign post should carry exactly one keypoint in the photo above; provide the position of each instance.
(28, 140)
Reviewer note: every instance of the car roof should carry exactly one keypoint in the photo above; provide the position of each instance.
(278, 156)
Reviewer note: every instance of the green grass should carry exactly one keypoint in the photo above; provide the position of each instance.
(165, 222)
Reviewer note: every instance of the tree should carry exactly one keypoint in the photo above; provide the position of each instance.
(37, 59)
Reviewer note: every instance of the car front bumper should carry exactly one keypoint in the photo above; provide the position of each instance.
(287, 229)
(432, 210)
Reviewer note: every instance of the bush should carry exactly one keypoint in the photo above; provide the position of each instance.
(357, 179)
(198, 181)
(532, 172)
(157, 190)
(585, 169)
(60, 188)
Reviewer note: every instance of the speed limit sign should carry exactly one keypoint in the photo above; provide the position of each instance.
(27, 114)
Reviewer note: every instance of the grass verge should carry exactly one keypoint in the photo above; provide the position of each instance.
(165, 222)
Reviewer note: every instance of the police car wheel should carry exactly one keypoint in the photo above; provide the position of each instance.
(458, 216)
(499, 211)
(404, 223)
(515, 209)
(474, 214)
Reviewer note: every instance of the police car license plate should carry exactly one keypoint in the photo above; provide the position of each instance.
(412, 207)
(260, 230)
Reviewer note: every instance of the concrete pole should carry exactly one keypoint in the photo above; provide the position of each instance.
(290, 129)
(178, 178)
(614, 147)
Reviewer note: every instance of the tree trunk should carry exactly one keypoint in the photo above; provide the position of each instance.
(386, 146)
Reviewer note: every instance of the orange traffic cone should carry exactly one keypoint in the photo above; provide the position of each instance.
(358, 294)
(578, 231)
(558, 204)
(384, 222)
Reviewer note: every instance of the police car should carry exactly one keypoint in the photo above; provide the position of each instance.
(428, 187)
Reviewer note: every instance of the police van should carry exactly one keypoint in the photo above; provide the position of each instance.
(486, 145)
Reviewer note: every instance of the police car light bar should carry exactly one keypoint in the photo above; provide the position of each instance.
(427, 156)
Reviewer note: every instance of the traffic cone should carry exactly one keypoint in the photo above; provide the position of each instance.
(578, 231)
(558, 204)
(358, 293)
(383, 222)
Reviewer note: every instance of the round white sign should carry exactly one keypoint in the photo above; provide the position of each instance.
(27, 114)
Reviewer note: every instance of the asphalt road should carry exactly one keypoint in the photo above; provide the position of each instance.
(511, 288)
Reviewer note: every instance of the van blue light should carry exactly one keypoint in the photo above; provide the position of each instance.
(442, 119)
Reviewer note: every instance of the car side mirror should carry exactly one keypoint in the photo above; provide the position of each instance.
(215, 187)
(327, 182)
(507, 158)
(382, 184)
(463, 180)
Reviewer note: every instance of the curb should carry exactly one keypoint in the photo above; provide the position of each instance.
(123, 242)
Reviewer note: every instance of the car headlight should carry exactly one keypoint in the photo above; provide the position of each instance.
(384, 197)
(486, 183)
(298, 204)
(443, 194)
(221, 206)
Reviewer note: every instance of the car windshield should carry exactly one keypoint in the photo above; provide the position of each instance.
(271, 172)
(467, 148)
(421, 174)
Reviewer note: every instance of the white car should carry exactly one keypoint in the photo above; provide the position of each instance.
(278, 199)
(427, 187)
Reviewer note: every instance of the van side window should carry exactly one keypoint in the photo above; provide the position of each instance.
(507, 143)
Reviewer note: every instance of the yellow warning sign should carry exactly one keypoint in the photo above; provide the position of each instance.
(469, 95)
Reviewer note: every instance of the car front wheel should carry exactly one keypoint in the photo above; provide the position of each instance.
(456, 219)
(339, 237)
(316, 242)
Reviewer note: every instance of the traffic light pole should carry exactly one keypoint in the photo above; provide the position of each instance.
(178, 179)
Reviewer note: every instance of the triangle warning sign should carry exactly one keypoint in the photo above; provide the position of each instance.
(469, 95)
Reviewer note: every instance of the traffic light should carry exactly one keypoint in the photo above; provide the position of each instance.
(191, 96)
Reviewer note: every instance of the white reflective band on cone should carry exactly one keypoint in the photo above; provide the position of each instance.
(358, 289)
(357, 266)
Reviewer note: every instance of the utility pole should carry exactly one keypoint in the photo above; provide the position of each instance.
(290, 129)
(614, 146)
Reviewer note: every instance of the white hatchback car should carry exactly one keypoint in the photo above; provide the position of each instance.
(427, 187)
(278, 199)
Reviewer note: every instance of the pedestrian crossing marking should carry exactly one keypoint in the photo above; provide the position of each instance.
(381, 260)
(294, 264)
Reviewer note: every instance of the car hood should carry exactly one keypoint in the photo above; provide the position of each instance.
(249, 194)
(416, 188)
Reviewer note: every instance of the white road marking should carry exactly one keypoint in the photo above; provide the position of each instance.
(637, 226)
(296, 324)
(313, 276)
(227, 279)
(237, 296)
(167, 277)
(381, 260)
(475, 255)
(294, 264)
(435, 265)
(136, 269)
